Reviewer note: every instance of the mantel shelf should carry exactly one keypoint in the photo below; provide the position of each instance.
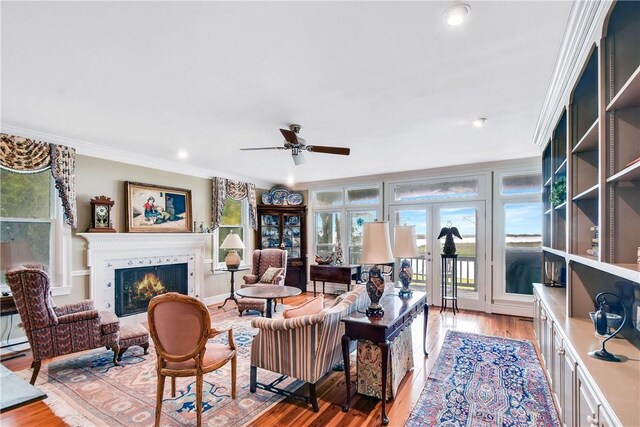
(630, 173)
(589, 141)
(590, 193)
(629, 95)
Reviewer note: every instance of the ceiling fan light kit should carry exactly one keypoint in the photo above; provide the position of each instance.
(298, 144)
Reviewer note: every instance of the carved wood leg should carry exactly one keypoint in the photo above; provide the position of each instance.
(384, 347)
(36, 369)
(173, 386)
(121, 352)
(253, 379)
(426, 320)
(116, 354)
(234, 366)
(347, 370)
(199, 384)
(145, 347)
(313, 397)
(159, 394)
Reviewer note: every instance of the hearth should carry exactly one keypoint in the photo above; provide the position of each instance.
(134, 287)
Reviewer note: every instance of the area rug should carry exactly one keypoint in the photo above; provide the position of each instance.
(88, 390)
(481, 380)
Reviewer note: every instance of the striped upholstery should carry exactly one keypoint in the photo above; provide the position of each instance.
(304, 347)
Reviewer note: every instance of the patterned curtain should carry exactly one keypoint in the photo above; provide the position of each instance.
(226, 188)
(23, 155)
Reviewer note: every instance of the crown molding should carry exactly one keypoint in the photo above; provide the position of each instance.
(583, 30)
(123, 156)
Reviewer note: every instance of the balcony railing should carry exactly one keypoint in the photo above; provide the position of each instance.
(466, 272)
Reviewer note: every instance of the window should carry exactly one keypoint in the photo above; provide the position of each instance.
(28, 214)
(420, 191)
(340, 215)
(233, 220)
(520, 210)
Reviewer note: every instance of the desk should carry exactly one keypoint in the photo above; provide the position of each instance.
(232, 295)
(398, 315)
(335, 274)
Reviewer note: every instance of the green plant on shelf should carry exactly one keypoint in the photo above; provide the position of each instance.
(558, 192)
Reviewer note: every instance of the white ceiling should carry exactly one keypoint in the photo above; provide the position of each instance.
(389, 79)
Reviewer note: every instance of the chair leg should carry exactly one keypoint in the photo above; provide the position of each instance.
(313, 397)
(234, 365)
(253, 379)
(173, 386)
(145, 347)
(159, 395)
(116, 353)
(199, 383)
(36, 369)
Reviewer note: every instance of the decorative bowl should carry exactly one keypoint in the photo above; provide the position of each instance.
(324, 261)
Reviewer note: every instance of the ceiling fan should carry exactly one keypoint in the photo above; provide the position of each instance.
(297, 145)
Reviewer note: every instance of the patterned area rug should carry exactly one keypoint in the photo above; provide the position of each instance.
(87, 390)
(481, 380)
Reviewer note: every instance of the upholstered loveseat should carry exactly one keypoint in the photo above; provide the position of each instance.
(304, 347)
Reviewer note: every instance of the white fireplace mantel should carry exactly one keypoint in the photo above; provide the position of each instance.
(104, 250)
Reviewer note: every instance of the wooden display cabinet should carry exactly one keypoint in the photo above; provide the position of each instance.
(285, 227)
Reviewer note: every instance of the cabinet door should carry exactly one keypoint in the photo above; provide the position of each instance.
(569, 389)
(604, 418)
(587, 403)
(546, 326)
(292, 235)
(269, 231)
(556, 371)
(536, 316)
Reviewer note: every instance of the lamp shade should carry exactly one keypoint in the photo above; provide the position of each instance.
(376, 247)
(232, 241)
(15, 253)
(404, 244)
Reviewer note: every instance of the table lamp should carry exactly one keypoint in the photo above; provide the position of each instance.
(376, 249)
(231, 243)
(404, 246)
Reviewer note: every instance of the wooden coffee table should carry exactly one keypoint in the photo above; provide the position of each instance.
(269, 293)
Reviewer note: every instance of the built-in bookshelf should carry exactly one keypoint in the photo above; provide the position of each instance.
(559, 168)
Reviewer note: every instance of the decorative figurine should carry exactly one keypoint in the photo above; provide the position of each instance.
(339, 254)
(448, 232)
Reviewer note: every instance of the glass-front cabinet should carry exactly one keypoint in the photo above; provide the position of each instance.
(283, 227)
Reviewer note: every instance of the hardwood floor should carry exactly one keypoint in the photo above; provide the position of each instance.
(364, 411)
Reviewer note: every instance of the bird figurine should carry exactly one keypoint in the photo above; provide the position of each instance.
(449, 245)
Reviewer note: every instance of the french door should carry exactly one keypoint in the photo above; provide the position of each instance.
(469, 219)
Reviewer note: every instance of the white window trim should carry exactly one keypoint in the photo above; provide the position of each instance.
(246, 229)
(499, 232)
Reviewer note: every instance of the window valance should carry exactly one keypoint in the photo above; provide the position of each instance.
(226, 188)
(23, 155)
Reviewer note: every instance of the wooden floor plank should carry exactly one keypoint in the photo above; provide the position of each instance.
(365, 411)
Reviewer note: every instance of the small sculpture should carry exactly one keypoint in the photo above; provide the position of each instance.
(339, 254)
(448, 232)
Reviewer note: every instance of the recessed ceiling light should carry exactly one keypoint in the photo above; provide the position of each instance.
(182, 154)
(456, 14)
(479, 122)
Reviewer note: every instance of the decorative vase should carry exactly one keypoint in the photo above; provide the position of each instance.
(375, 290)
(405, 278)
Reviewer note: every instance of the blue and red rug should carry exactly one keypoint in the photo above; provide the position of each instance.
(481, 380)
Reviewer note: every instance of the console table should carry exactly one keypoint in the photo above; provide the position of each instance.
(398, 314)
(335, 274)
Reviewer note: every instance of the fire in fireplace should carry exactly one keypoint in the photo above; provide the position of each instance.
(134, 287)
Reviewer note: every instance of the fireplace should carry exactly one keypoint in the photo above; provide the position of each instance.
(134, 287)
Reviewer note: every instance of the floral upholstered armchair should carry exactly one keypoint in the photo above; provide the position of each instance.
(56, 331)
(262, 260)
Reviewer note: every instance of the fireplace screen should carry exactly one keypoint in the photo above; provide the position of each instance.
(136, 286)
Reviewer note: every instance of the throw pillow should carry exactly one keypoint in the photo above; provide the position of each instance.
(270, 275)
(313, 306)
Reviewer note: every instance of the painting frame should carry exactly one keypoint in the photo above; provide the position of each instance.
(157, 209)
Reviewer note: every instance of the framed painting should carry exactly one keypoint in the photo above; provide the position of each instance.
(156, 209)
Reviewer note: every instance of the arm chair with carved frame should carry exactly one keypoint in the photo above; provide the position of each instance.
(180, 327)
(56, 331)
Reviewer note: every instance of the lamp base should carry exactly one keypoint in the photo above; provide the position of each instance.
(603, 354)
(374, 312)
(232, 259)
(405, 293)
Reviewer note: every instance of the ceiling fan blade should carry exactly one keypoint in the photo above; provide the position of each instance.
(298, 159)
(329, 150)
(263, 148)
(290, 136)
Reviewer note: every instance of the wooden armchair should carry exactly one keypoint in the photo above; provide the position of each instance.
(180, 327)
(56, 331)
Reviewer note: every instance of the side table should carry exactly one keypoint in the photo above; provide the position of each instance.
(232, 292)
